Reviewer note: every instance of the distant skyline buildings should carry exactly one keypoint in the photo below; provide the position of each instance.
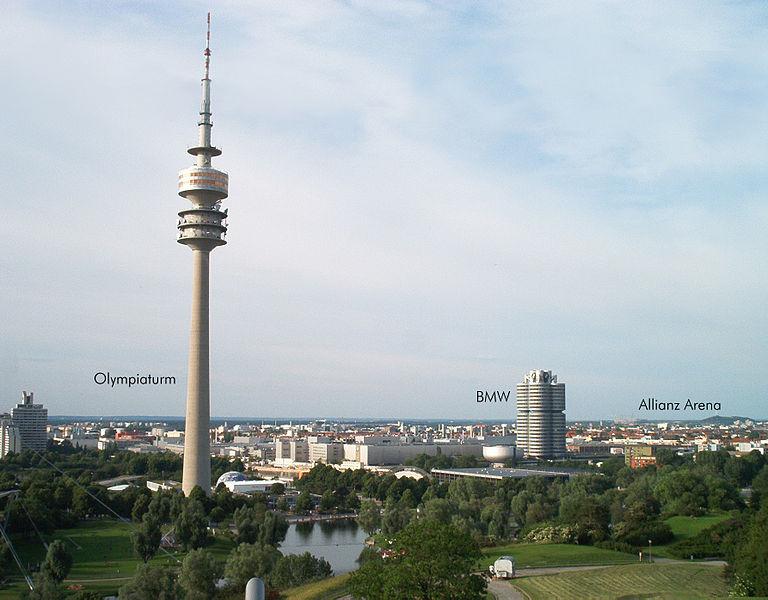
(541, 415)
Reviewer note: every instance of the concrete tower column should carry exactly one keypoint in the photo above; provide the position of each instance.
(197, 441)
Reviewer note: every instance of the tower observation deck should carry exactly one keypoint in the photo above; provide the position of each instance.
(202, 228)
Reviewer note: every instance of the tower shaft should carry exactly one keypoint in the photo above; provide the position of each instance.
(197, 441)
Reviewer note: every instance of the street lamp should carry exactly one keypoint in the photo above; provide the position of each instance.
(650, 552)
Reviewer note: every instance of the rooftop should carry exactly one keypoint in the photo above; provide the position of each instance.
(491, 473)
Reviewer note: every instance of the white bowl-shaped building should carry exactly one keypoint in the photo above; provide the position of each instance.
(498, 453)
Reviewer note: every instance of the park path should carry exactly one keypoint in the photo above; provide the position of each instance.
(504, 590)
(674, 561)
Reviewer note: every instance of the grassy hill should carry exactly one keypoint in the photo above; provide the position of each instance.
(327, 589)
(555, 555)
(102, 553)
(658, 581)
(685, 527)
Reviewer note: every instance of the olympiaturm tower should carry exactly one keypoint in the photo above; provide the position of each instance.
(201, 228)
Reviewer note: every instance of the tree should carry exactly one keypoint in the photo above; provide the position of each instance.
(682, 491)
(58, 561)
(247, 525)
(199, 573)
(87, 595)
(81, 503)
(438, 510)
(407, 500)
(150, 583)
(20, 516)
(751, 558)
(217, 514)
(277, 489)
(197, 494)
(304, 502)
(394, 517)
(160, 506)
(352, 502)
(588, 513)
(249, 560)
(426, 561)
(760, 486)
(273, 529)
(140, 506)
(146, 537)
(45, 588)
(298, 569)
(328, 501)
(369, 517)
(191, 526)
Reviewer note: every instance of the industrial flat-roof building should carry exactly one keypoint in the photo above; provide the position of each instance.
(491, 474)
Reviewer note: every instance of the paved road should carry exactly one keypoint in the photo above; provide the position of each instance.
(504, 590)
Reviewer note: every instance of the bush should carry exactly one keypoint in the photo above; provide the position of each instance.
(617, 546)
(657, 531)
(552, 534)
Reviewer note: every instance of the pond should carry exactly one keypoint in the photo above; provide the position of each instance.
(339, 542)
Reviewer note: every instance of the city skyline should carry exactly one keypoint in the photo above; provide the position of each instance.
(398, 196)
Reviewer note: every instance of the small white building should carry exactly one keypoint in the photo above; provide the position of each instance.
(163, 485)
(250, 487)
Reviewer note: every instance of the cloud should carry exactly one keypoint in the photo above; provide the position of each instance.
(414, 189)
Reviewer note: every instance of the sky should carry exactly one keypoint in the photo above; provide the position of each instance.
(426, 199)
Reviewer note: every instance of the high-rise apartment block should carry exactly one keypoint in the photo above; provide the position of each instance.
(541, 415)
(10, 437)
(288, 451)
(32, 422)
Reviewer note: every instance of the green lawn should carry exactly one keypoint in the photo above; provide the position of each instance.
(555, 555)
(327, 589)
(685, 527)
(683, 582)
(103, 556)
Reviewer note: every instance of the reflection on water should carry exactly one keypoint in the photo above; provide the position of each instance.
(339, 542)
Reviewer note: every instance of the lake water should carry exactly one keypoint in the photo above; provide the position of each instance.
(339, 542)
